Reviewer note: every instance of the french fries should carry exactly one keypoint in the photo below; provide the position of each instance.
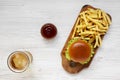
(93, 25)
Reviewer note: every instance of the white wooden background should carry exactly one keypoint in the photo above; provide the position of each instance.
(20, 23)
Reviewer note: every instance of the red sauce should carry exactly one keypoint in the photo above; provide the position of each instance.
(48, 30)
(80, 51)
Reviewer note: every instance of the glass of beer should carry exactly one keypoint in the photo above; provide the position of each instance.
(19, 61)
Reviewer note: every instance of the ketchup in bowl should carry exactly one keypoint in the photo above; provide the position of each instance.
(48, 30)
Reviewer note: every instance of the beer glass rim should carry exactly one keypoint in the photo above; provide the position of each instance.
(16, 70)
